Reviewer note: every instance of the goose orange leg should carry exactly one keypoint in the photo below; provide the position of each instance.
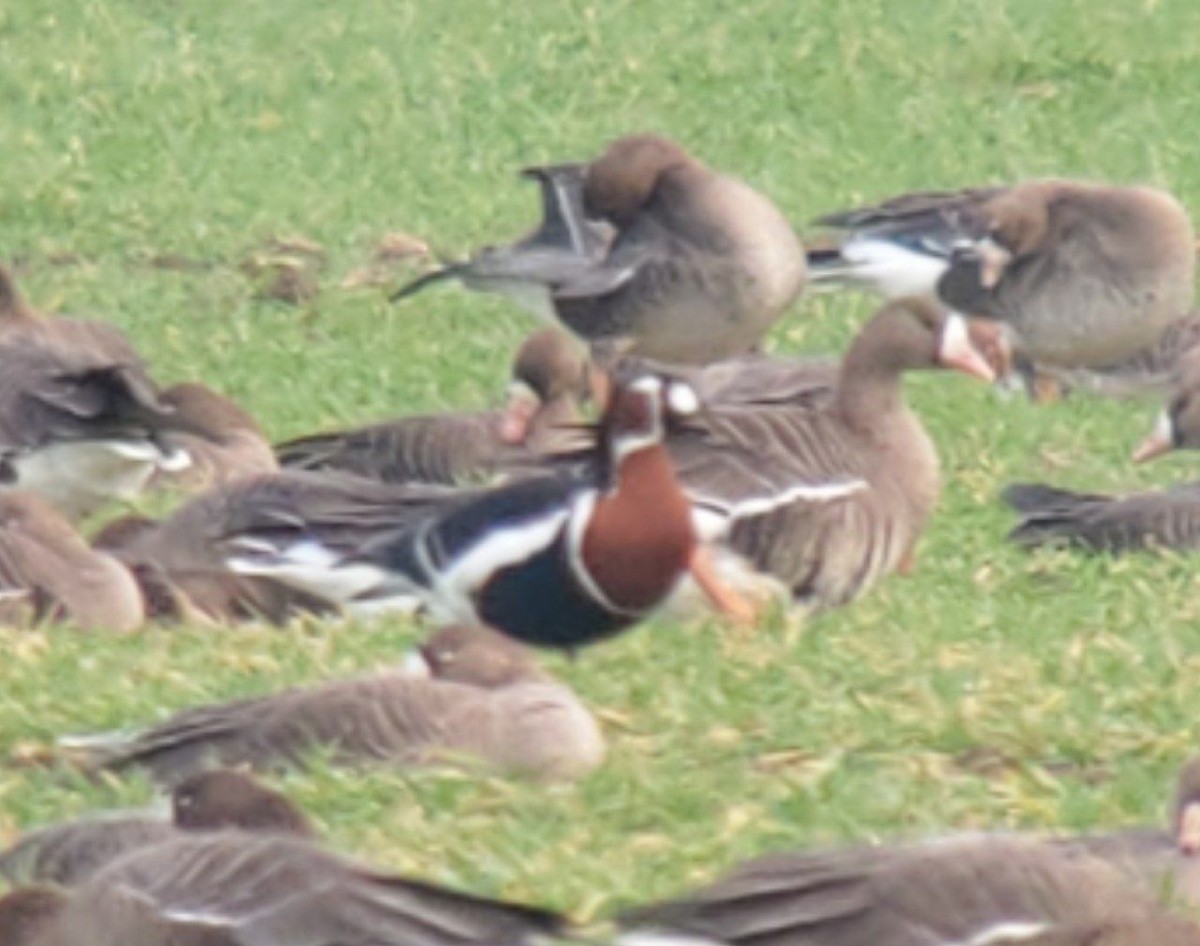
(724, 598)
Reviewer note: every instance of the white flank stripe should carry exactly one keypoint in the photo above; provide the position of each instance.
(500, 549)
(712, 518)
(653, 938)
(1012, 932)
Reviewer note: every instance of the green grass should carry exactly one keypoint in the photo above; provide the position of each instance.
(991, 689)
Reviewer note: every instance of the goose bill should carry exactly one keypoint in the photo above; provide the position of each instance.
(957, 352)
(1189, 830)
(993, 260)
(1160, 441)
(523, 403)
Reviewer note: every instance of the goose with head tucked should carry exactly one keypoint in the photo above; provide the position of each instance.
(239, 889)
(700, 267)
(466, 695)
(1083, 274)
(556, 561)
(550, 380)
(221, 799)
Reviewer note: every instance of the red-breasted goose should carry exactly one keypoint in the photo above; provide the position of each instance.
(239, 889)
(71, 852)
(700, 267)
(556, 561)
(1084, 274)
(466, 695)
(550, 380)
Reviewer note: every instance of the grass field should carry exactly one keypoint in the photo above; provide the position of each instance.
(149, 147)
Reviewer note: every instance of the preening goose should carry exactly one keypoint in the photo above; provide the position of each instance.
(700, 266)
(1084, 274)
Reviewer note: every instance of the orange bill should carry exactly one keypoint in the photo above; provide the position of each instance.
(723, 597)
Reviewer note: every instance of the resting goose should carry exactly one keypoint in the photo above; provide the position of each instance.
(238, 889)
(71, 852)
(700, 266)
(1167, 518)
(467, 694)
(550, 380)
(1084, 274)
(980, 890)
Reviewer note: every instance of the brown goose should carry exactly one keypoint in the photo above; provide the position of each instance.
(80, 434)
(237, 889)
(225, 444)
(70, 852)
(479, 697)
(1098, 522)
(964, 891)
(824, 499)
(47, 570)
(1084, 274)
(700, 266)
(550, 379)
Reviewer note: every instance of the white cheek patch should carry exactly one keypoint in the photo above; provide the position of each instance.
(682, 399)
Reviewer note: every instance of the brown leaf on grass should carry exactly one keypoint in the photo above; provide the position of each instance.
(295, 245)
(399, 246)
(30, 754)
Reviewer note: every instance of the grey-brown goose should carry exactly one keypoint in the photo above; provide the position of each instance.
(1084, 274)
(224, 444)
(824, 499)
(79, 433)
(70, 852)
(481, 699)
(979, 890)
(700, 267)
(48, 570)
(1167, 518)
(237, 889)
(184, 556)
(550, 380)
